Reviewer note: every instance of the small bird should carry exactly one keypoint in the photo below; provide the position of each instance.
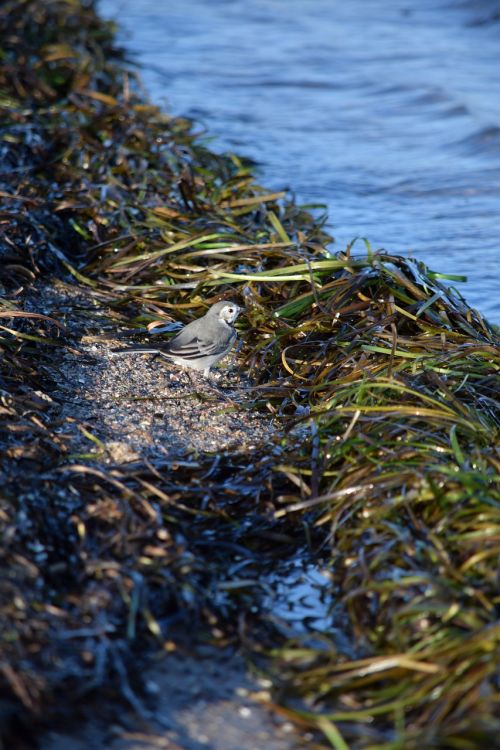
(200, 344)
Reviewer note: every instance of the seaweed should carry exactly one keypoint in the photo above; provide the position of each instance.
(381, 380)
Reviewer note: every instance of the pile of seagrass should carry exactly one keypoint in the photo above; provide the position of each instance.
(385, 382)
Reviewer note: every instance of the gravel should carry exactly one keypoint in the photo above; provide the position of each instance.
(140, 406)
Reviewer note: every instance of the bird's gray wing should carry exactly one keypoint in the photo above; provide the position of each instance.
(192, 346)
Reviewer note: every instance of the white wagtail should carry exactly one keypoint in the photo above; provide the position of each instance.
(200, 344)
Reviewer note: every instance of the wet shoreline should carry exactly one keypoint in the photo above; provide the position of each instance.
(387, 113)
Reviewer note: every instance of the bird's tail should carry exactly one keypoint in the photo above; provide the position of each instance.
(137, 350)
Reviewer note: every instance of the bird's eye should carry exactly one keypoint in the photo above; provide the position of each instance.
(231, 309)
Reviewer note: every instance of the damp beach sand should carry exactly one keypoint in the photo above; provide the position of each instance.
(140, 406)
(123, 410)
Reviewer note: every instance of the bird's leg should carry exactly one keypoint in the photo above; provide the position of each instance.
(215, 388)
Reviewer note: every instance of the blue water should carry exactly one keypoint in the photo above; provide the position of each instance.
(386, 111)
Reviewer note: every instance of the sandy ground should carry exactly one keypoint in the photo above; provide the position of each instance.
(131, 408)
(141, 405)
(202, 700)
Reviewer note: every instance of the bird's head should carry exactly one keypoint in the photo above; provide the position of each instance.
(226, 311)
